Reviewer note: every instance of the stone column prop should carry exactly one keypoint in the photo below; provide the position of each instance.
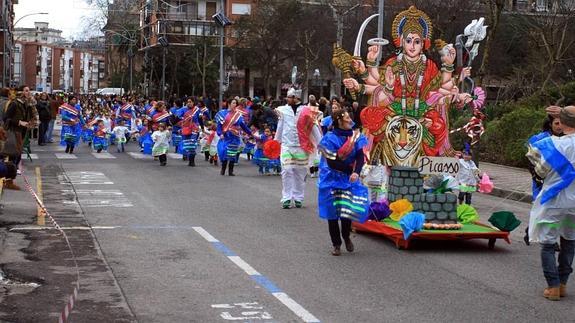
(407, 183)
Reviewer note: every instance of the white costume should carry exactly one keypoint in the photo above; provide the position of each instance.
(294, 159)
(553, 212)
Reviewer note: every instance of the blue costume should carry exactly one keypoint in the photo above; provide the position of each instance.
(335, 171)
(126, 112)
(228, 125)
(72, 122)
(191, 123)
(100, 139)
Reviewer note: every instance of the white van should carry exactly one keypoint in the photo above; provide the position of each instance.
(110, 91)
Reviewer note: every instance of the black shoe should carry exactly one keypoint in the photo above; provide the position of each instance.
(162, 163)
(67, 149)
(192, 161)
(99, 150)
(207, 156)
(71, 149)
(349, 245)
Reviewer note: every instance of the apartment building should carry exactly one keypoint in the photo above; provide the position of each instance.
(48, 67)
(6, 40)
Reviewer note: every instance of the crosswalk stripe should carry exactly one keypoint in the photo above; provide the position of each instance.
(175, 156)
(103, 155)
(65, 156)
(139, 155)
(33, 156)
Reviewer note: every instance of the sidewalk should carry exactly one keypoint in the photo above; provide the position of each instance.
(37, 271)
(510, 182)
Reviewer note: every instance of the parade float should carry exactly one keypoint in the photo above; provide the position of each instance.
(411, 161)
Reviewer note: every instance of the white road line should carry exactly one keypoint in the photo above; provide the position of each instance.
(140, 155)
(295, 307)
(65, 156)
(103, 155)
(33, 156)
(205, 234)
(244, 265)
(175, 156)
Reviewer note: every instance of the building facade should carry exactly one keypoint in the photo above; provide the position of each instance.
(40, 33)
(47, 67)
(6, 41)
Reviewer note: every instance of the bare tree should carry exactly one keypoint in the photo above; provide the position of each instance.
(494, 13)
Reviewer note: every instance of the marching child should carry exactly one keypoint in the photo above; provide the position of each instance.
(100, 136)
(468, 177)
(120, 131)
(161, 138)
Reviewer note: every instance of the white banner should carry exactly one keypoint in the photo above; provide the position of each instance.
(438, 165)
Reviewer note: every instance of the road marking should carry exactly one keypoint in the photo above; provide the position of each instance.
(244, 265)
(205, 234)
(140, 155)
(254, 311)
(94, 178)
(97, 198)
(33, 156)
(103, 155)
(260, 279)
(295, 307)
(65, 156)
(175, 156)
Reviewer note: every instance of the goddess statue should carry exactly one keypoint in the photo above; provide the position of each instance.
(409, 96)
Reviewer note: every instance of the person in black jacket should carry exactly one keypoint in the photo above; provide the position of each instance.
(44, 114)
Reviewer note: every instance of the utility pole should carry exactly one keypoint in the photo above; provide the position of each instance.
(131, 57)
(164, 73)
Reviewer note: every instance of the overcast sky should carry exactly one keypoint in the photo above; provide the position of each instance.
(66, 15)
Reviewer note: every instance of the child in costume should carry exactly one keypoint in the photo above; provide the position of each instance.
(161, 138)
(212, 142)
(100, 137)
(121, 132)
(468, 177)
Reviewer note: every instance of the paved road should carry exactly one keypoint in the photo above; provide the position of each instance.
(188, 245)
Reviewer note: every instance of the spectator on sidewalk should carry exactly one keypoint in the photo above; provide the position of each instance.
(18, 119)
(55, 104)
(552, 216)
(45, 115)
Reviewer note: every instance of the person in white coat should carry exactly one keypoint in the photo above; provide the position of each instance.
(552, 217)
(294, 159)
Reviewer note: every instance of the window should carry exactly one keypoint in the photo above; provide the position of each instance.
(210, 9)
(241, 8)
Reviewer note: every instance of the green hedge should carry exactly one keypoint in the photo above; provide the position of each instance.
(510, 124)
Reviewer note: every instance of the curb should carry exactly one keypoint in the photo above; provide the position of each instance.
(512, 195)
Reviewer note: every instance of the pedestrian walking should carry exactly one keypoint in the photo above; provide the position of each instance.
(72, 122)
(45, 115)
(294, 159)
(230, 122)
(340, 166)
(468, 177)
(552, 216)
(161, 138)
(121, 132)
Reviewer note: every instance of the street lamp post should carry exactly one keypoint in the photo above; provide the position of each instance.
(164, 42)
(221, 19)
(131, 58)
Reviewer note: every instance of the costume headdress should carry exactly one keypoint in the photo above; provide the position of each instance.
(414, 21)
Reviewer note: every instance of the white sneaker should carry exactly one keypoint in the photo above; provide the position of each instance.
(18, 172)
